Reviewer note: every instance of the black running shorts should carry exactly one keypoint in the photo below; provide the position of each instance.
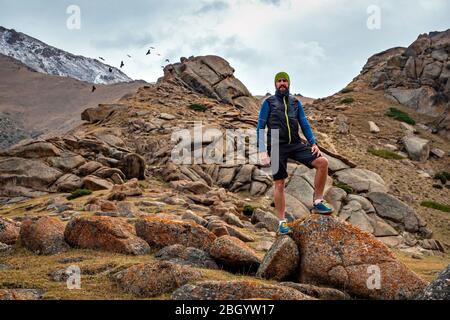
(297, 152)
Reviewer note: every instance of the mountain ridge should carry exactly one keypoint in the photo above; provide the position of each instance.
(44, 58)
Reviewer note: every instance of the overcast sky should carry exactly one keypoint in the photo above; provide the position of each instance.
(322, 44)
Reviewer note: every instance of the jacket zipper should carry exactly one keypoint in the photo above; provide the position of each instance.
(287, 118)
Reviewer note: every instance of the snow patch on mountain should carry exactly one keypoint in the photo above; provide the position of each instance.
(50, 60)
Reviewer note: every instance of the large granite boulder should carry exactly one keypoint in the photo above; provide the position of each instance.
(44, 236)
(337, 254)
(104, 233)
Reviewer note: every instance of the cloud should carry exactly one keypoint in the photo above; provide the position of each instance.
(124, 41)
(276, 3)
(212, 6)
(323, 44)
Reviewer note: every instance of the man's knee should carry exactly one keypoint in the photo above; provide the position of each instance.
(320, 163)
(279, 184)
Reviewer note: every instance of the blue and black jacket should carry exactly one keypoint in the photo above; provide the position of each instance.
(286, 113)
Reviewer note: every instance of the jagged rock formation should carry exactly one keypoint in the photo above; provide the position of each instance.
(417, 76)
(213, 76)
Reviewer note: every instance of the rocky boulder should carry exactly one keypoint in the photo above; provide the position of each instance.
(25, 177)
(234, 254)
(417, 148)
(20, 294)
(391, 208)
(44, 236)
(67, 183)
(280, 261)
(159, 232)
(269, 221)
(133, 166)
(103, 111)
(104, 233)
(35, 149)
(321, 293)
(236, 290)
(5, 249)
(438, 289)
(190, 256)
(153, 279)
(361, 180)
(339, 255)
(9, 231)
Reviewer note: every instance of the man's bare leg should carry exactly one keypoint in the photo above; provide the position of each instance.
(279, 199)
(321, 165)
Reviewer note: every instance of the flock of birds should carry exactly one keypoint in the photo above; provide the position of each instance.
(122, 64)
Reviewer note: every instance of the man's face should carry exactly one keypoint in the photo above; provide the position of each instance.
(282, 84)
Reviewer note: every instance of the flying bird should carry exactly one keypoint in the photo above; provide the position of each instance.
(158, 54)
(122, 64)
(152, 47)
(167, 60)
(93, 88)
(101, 58)
(148, 52)
(128, 56)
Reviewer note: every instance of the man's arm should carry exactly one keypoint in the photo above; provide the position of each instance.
(262, 122)
(304, 124)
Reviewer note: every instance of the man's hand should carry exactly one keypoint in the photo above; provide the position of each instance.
(264, 159)
(316, 151)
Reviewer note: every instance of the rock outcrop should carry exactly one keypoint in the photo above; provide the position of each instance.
(212, 76)
(417, 76)
(339, 255)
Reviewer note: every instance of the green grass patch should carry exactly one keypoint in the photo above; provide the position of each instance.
(385, 154)
(347, 90)
(435, 205)
(400, 116)
(248, 210)
(198, 107)
(444, 176)
(344, 187)
(79, 193)
(347, 100)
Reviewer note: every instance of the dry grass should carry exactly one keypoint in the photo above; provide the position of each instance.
(30, 271)
(427, 268)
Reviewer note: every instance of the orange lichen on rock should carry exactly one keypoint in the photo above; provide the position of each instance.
(105, 233)
(343, 256)
(160, 232)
